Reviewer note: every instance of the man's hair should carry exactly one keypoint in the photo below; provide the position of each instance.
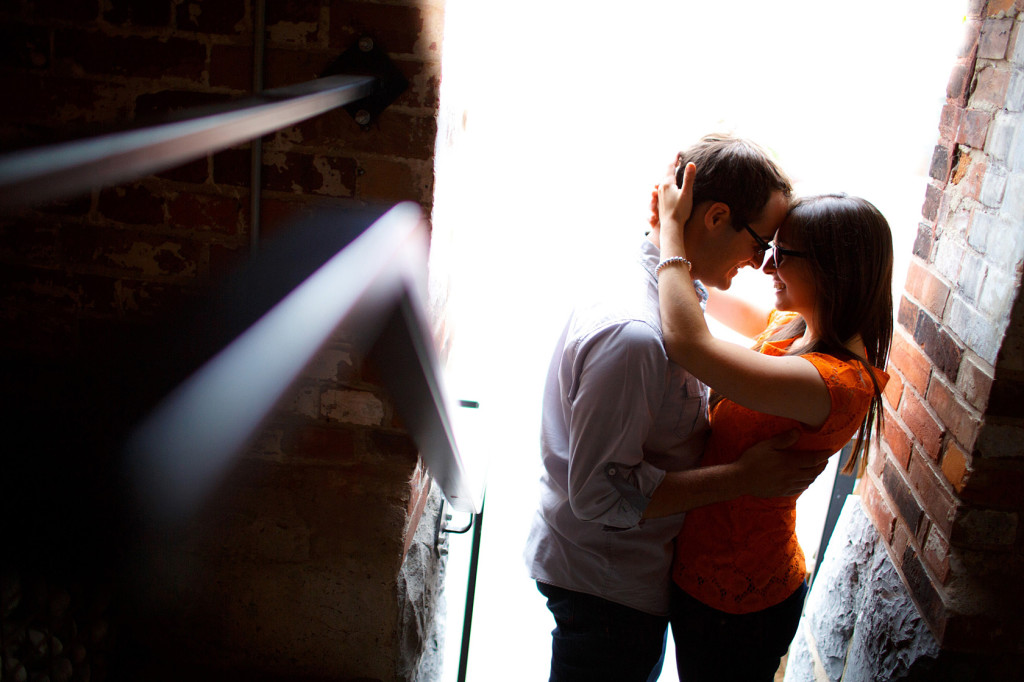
(735, 172)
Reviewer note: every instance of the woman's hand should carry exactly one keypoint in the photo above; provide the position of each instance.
(675, 205)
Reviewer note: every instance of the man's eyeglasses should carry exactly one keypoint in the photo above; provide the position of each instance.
(778, 253)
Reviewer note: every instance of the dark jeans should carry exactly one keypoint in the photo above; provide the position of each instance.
(596, 640)
(724, 647)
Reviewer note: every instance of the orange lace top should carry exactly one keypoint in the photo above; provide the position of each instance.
(742, 555)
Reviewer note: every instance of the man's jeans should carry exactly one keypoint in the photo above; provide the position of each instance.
(596, 640)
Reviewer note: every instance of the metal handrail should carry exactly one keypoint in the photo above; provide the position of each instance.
(68, 169)
(373, 290)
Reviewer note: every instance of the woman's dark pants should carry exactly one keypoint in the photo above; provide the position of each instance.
(725, 647)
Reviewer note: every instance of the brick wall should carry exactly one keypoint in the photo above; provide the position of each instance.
(307, 570)
(946, 490)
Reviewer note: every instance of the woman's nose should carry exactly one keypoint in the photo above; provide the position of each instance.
(769, 263)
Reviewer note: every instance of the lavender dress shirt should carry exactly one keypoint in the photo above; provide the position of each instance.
(617, 414)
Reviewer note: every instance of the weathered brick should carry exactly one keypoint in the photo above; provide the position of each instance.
(898, 436)
(424, 84)
(992, 86)
(352, 407)
(908, 358)
(158, 104)
(225, 259)
(77, 12)
(924, 592)
(398, 445)
(289, 66)
(949, 121)
(893, 390)
(928, 289)
(1006, 398)
(959, 418)
(923, 241)
(925, 426)
(972, 181)
(903, 499)
(982, 225)
(994, 483)
(938, 345)
(395, 134)
(131, 55)
(988, 632)
(332, 364)
(154, 13)
(392, 181)
(973, 128)
(977, 332)
(395, 29)
(231, 67)
(233, 167)
(25, 46)
(293, 23)
(137, 253)
(213, 213)
(993, 186)
(1012, 208)
(878, 509)
(974, 381)
(938, 503)
(305, 173)
(984, 528)
(932, 199)
(954, 465)
(196, 172)
(935, 550)
(995, 36)
(1000, 440)
(227, 17)
(942, 161)
(1002, 130)
(318, 442)
(993, 8)
(997, 292)
(907, 314)
(135, 204)
(959, 81)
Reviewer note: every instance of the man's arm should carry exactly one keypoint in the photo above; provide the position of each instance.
(766, 469)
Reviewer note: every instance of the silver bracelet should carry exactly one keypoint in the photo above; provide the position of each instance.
(670, 261)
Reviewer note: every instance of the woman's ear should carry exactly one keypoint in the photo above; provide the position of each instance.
(717, 215)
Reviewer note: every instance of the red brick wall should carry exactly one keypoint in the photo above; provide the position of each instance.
(947, 489)
(319, 516)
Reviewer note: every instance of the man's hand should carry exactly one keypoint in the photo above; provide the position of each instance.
(770, 469)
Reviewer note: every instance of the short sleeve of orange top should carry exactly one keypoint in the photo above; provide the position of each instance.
(742, 555)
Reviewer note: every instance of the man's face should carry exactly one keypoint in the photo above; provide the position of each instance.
(737, 248)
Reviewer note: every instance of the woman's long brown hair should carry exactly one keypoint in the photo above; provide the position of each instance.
(848, 246)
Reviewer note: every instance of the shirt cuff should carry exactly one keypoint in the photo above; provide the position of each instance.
(635, 485)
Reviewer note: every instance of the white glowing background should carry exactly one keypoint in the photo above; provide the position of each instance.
(570, 112)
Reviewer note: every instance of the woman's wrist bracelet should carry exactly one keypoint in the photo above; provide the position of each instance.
(670, 261)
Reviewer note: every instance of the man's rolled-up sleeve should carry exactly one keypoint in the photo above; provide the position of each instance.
(613, 394)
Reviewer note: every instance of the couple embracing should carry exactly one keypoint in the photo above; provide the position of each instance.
(663, 502)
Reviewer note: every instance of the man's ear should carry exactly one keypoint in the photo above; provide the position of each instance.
(717, 215)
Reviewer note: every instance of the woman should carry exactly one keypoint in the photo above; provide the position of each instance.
(739, 571)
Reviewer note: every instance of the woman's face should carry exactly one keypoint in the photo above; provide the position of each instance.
(791, 274)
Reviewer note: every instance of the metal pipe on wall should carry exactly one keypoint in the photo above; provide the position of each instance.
(259, 37)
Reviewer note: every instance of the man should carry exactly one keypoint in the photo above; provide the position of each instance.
(623, 428)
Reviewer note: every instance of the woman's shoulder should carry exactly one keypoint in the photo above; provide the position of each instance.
(848, 373)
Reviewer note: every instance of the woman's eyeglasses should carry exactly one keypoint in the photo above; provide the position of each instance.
(778, 253)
